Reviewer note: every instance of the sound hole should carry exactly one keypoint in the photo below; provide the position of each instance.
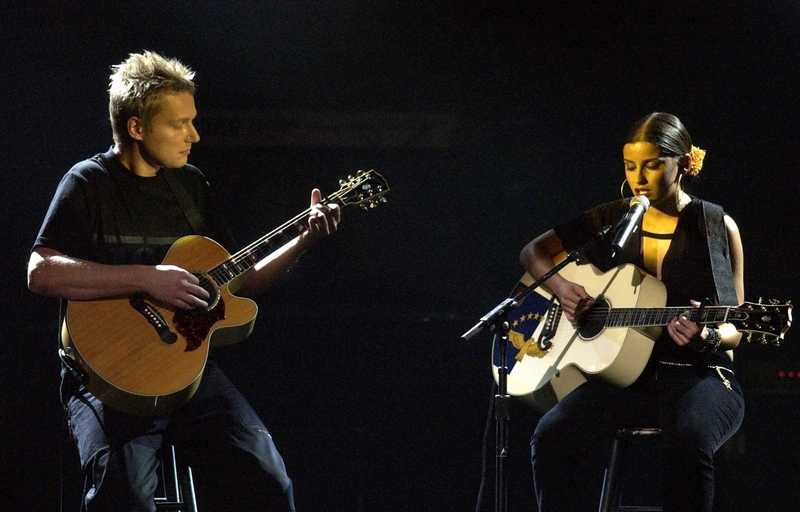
(591, 323)
(213, 292)
(195, 324)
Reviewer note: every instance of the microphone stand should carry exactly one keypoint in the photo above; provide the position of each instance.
(497, 321)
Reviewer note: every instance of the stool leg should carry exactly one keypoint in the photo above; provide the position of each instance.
(609, 498)
(187, 490)
(176, 483)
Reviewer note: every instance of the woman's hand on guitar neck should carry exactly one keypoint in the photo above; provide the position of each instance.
(685, 332)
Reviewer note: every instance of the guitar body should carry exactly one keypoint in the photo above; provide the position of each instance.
(135, 364)
(543, 376)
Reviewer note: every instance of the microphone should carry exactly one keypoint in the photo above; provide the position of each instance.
(627, 226)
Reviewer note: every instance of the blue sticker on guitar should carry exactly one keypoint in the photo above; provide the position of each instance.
(523, 322)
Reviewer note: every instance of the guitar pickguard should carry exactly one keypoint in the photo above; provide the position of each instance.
(195, 325)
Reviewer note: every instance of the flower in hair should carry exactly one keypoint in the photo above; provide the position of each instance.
(696, 157)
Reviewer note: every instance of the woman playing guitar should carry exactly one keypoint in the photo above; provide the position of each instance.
(688, 387)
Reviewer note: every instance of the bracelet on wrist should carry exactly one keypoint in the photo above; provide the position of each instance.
(713, 342)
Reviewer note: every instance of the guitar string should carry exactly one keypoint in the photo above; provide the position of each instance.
(223, 273)
(627, 317)
(295, 222)
(220, 273)
(660, 316)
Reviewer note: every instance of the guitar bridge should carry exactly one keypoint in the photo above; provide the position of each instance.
(550, 325)
(154, 318)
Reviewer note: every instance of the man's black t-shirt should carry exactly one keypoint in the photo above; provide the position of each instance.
(105, 213)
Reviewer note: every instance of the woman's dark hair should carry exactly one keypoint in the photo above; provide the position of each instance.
(664, 131)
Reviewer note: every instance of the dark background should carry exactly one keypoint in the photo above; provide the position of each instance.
(492, 121)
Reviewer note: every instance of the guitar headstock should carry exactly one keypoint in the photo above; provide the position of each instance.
(366, 189)
(770, 320)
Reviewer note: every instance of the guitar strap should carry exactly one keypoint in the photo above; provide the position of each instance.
(718, 250)
(185, 200)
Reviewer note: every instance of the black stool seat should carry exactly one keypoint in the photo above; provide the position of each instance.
(610, 499)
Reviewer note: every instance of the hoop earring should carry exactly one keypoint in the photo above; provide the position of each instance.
(622, 189)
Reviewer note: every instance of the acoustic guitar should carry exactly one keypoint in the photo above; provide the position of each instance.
(143, 357)
(548, 356)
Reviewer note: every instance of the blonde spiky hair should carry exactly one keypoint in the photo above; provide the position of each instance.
(137, 86)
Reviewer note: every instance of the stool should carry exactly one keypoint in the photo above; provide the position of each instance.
(175, 490)
(610, 499)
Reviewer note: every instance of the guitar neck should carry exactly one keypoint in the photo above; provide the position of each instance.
(649, 317)
(366, 189)
(247, 258)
